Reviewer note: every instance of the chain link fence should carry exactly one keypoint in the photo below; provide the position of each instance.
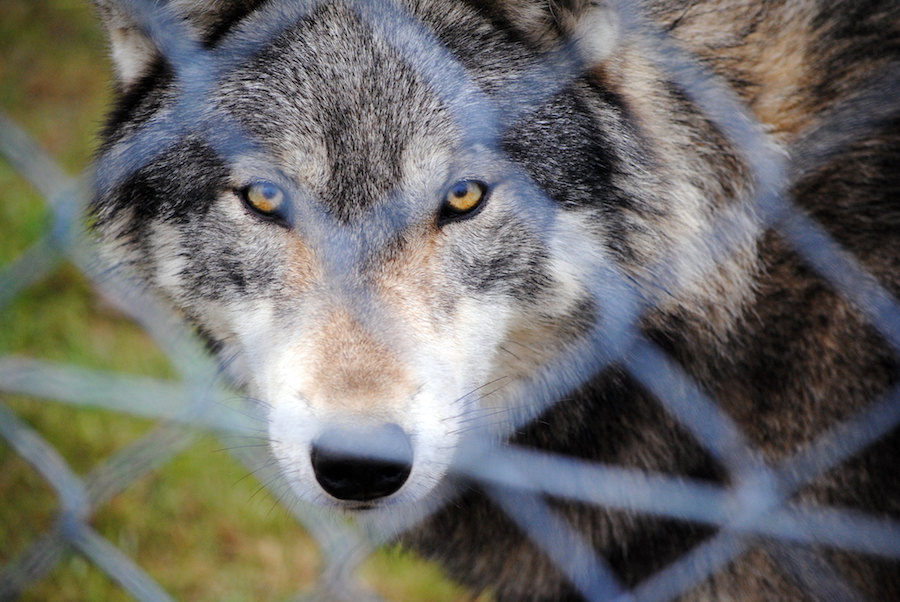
(757, 506)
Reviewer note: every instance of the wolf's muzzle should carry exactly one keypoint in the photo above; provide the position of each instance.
(362, 464)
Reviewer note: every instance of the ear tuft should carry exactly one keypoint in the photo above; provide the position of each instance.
(131, 49)
(592, 25)
(133, 52)
(595, 32)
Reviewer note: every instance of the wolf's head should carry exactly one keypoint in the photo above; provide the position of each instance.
(396, 221)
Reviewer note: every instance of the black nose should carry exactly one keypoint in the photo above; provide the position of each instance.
(362, 465)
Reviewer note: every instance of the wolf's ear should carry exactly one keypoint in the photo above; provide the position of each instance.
(132, 49)
(591, 25)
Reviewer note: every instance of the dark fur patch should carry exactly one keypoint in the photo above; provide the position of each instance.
(134, 106)
(169, 188)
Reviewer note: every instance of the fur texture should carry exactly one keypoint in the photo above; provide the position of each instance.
(366, 301)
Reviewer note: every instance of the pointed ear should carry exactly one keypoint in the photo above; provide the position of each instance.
(131, 49)
(133, 52)
(591, 25)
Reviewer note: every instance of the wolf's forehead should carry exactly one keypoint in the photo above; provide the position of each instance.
(341, 108)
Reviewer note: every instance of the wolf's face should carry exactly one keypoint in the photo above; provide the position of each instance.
(388, 227)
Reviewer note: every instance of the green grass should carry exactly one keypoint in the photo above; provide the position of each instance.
(197, 525)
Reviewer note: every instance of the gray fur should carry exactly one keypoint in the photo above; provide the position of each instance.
(354, 109)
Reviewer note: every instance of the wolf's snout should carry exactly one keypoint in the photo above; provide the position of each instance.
(362, 464)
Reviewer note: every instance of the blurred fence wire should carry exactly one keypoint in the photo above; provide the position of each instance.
(756, 507)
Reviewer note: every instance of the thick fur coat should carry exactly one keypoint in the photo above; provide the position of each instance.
(414, 214)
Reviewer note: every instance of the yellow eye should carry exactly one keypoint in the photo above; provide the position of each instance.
(264, 197)
(464, 196)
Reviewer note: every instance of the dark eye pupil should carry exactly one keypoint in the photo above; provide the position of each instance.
(269, 191)
(460, 189)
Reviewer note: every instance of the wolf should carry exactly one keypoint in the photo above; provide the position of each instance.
(410, 228)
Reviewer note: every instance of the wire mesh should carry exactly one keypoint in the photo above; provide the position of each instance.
(757, 506)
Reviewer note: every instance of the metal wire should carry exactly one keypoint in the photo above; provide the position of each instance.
(757, 506)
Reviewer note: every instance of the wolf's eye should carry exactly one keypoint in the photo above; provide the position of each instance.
(265, 198)
(462, 199)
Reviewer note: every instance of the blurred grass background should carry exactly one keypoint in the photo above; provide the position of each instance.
(198, 526)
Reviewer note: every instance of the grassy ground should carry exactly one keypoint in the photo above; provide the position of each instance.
(197, 525)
